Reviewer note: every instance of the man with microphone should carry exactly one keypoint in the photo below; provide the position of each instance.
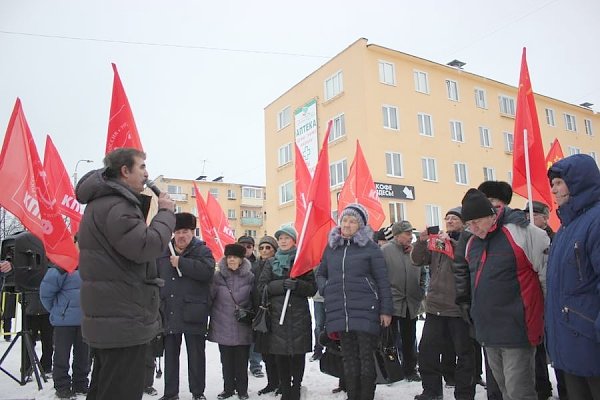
(120, 284)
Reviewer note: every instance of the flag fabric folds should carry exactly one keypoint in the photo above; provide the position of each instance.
(61, 186)
(122, 131)
(27, 194)
(317, 221)
(216, 235)
(554, 154)
(303, 178)
(526, 120)
(360, 188)
(219, 221)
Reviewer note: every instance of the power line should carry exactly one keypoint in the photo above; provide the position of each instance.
(171, 45)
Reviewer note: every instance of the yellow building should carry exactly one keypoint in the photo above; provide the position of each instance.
(242, 204)
(428, 131)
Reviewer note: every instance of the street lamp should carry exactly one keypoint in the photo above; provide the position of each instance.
(75, 173)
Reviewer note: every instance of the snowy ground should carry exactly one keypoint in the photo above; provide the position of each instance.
(317, 386)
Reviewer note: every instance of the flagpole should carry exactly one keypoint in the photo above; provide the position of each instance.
(528, 174)
(300, 243)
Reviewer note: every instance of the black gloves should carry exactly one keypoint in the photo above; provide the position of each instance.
(290, 284)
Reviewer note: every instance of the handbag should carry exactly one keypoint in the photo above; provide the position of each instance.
(242, 314)
(262, 319)
(387, 360)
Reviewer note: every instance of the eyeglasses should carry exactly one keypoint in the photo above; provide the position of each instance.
(265, 247)
(249, 246)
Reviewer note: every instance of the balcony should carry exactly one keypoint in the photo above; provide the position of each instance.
(251, 221)
(179, 196)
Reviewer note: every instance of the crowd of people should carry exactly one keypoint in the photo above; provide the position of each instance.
(492, 280)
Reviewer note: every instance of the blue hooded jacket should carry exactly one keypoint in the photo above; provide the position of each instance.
(572, 309)
(59, 293)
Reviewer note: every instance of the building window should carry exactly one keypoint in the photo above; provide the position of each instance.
(489, 174)
(509, 139)
(594, 156)
(214, 192)
(231, 213)
(550, 117)
(574, 150)
(460, 173)
(429, 169)
(230, 194)
(570, 123)
(425, 124)
(334, 85)
(393, 164)
(588, 127)
(338, 129)
(387, 73)
(252, 192)
(421, 82)
(285, 154)
(480, 99)
(250, 232)
(507, 105)
(284, 118)
(452, 88)
(509, 177)
(251, 214)
(456, 131)
(338, 171)
(173, 189)
(390, 117)
(485, 137)
(432, 215)
(397, 212)
(285, 193)
(178, 209)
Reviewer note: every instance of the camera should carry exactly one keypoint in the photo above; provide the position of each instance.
(433, 230)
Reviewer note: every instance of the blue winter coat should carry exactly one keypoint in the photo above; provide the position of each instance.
(353, 279)
(59, 293)
(573, 276)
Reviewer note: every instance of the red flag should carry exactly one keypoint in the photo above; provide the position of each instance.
(360, 188)
(317, 222)
(526, 120)
(122, 131)
(554, 154)
(219, 220)
(61, 186)
(207, 229)
(25, 192)
(303, 179)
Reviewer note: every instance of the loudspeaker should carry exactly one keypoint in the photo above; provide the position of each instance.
(28, 258)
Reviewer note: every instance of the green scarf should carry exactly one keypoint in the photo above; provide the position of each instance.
(282, 261)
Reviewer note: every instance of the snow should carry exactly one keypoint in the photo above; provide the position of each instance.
(317, 386)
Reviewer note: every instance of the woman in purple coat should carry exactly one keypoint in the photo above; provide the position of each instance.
(231, 289)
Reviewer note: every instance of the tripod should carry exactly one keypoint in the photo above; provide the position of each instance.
(27, 352)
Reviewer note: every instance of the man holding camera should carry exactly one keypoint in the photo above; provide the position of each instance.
(117, 264)
(184, 304)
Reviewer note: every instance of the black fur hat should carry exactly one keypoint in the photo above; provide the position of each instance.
(235, 250)
(185, 221)
(497, 190)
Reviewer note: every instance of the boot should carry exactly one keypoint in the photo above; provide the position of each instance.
(367, 388)
(285, 391)
(353, 388)
(295, 392)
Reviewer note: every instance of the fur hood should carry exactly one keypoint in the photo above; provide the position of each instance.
(361, 237)
(244, 269)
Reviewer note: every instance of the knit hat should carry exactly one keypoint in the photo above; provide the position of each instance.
(379, 235)
(268, 240)
(357, 211)
(400, 227)
(246, 239)
(497, 190)
(235, 249)
(185, 221)
(288, 230)
(388, 232)
(476, 205)
(538, 207)
(455, 211)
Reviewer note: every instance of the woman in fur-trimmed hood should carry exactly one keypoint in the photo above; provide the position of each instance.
(352, 277)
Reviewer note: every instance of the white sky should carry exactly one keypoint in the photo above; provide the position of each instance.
(199, 84)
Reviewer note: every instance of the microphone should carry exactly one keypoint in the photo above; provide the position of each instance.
(152, 186)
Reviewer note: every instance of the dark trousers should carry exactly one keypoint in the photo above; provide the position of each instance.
(407, 329)
(272, 370)
(543, 387)
(291, 371)
(438, 332)
(319, 314)
(41, 329)
(234, 360)
(448, 365)
(150, 365)
(65, 339)
(561, 385)
(359, 364)
(582, 387)
(195, 345)
(118, 373)
(478, 360)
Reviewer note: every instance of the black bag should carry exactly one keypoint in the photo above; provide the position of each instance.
(244, 315)
(332, 364)
(387, 360)
(262, 319)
